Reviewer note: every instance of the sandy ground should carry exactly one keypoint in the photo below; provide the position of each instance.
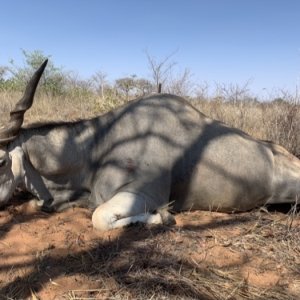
(206, 255)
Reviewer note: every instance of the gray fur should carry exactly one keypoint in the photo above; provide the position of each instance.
(136, 159)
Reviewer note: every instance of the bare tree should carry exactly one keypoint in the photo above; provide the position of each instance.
(181, 83)
(99, 80)
(160, 69)
(202, 91)
(233, 92)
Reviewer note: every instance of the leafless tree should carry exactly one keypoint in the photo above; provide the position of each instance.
(181, 83)
(160, 69)
(99, 81)
(233, 92)
(202, 91)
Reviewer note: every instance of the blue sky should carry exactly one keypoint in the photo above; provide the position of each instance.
(224, 41)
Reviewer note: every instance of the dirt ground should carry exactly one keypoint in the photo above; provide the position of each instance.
(254, 255)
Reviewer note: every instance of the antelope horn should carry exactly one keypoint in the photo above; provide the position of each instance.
(11, 131)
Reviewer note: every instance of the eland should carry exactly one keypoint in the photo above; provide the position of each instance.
(131, 164)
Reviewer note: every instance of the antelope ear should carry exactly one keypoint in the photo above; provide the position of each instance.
(11, 131)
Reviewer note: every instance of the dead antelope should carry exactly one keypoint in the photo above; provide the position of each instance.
(129, 163)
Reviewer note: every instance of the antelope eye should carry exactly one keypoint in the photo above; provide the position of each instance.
(2, 162)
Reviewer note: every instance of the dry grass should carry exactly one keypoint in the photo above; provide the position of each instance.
(277, 122)
(46, 108)
(163, 265)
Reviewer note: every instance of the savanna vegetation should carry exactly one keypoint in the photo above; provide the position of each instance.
(63, 95)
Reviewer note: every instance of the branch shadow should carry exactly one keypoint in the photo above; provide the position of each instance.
(134, 261)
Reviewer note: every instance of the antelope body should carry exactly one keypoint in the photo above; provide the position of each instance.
(131, 163)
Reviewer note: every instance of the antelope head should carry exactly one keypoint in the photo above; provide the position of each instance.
(10, 132)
